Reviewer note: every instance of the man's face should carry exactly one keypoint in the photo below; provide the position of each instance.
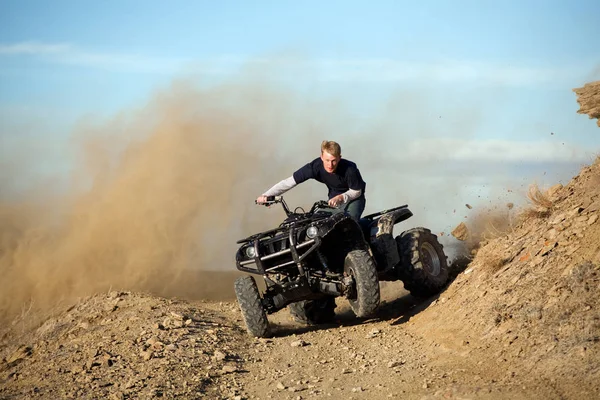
(330, 162)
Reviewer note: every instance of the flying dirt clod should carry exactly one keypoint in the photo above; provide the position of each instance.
(461, 232)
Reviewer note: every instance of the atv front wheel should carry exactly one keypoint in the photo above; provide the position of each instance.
(423, 266)
(360, 265)
(250, 304)
(313, 312)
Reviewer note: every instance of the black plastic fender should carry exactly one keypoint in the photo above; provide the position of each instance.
(386, 222)
(382, 239)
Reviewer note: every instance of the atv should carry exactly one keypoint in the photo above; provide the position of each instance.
(313, 257)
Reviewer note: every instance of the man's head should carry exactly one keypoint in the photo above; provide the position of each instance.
(331, 153)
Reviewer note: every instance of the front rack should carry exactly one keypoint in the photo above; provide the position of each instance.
(297, 251)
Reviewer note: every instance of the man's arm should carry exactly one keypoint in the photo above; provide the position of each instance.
(345, 197)
(351, 194)
(281, 187)
(301, 175)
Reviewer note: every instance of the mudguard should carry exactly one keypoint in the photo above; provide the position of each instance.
(386, 222)
(382, 239)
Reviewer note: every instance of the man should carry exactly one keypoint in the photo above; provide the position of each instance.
(342, 178)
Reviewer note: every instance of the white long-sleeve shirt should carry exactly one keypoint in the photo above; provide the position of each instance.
(289, 183)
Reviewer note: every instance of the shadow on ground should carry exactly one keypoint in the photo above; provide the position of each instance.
(397, 307)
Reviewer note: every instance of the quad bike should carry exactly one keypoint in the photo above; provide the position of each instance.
(313, 257)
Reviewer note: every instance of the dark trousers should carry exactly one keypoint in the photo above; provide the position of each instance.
(355, 208)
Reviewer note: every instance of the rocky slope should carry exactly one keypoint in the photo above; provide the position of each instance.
(529, 299)
(123, 345)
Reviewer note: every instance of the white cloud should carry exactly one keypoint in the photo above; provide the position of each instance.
(491, 151)
(386, 70)
(65, 53)
(390, 70)
(362, 70)
(34, 48)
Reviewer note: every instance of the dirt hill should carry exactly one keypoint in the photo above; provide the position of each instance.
(521, 320)
(529, 299)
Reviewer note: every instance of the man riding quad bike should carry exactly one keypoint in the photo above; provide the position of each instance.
(313, 257)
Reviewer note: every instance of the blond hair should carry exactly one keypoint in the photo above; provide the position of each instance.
(331, 147)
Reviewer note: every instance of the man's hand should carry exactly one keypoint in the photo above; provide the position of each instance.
(261, 200)
(336, 201)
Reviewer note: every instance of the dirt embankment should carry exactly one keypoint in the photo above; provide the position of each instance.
(529, 299)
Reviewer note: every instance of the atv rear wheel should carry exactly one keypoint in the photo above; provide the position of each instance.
(313, 312)
(423, 266)
(250, 304)
(360, 265)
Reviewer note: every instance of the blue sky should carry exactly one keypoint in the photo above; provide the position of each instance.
(122, 50)
(120, 36)
(505, 70)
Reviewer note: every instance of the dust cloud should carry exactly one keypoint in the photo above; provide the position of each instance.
(155, 202)
(156, 197)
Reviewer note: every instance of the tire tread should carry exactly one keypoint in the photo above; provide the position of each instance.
(251, 307)
(367, 283)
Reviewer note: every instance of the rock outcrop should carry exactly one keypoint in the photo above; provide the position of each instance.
(588, 98)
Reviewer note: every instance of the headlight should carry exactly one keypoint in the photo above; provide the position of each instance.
(312, 231)
(250, 252)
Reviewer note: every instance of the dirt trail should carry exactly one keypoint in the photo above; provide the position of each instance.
(389, 356)
(124, 345)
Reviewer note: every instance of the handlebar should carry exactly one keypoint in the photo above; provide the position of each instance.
(271, 200)
(279, 199)
(320, 204)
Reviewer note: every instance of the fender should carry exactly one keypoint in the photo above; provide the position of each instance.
(382, 239)
(385, 224)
